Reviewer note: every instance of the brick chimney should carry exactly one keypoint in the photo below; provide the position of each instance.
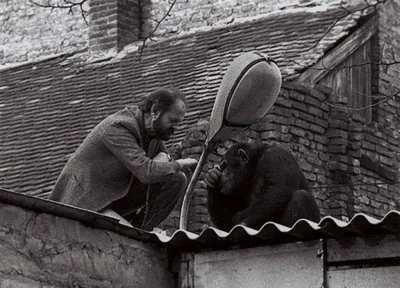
(113, 24)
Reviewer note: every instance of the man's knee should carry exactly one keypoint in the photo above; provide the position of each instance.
(181, 178)
(177, 181)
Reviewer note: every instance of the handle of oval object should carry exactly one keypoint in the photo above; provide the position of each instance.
(209, 146)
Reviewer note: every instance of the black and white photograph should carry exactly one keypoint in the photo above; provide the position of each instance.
(200, 143)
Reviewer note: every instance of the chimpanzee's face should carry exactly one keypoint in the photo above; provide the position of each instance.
(233, 170)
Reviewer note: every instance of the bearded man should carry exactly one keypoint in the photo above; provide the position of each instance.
(123, 168)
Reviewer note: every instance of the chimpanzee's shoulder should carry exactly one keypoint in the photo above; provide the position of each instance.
(273, 148)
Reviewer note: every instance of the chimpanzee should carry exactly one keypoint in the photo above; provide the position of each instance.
(256, 184)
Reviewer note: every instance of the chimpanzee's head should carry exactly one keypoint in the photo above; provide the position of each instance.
(238, 166)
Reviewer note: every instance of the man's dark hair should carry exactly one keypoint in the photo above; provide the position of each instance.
(163, 98)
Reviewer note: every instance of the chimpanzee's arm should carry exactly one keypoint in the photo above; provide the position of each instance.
(219, 209)
(278, 176)
(264, 207)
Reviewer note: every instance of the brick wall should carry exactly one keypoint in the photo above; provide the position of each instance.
(113, 24)
(28, 32)
(351, 166)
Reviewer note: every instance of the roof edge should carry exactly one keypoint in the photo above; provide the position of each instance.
(338, 54)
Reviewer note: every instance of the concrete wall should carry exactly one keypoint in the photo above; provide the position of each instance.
(288, 265)
(42, 250)
(363, 261)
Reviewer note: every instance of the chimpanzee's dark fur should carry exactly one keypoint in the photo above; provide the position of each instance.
(269, 187)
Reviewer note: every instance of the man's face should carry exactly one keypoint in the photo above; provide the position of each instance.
(166, 123)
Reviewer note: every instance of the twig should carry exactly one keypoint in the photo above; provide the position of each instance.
(346, 13)
(149, 36)
(384, 99)
(65, 4)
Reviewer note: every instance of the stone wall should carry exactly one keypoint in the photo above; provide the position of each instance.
(43, 250)
(200, 14)
(389, 35)
(28, 32)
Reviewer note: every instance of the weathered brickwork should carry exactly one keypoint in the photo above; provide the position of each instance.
(351, 166)
(200, 14)
(113, 24)
(28, 32)
(389, 34)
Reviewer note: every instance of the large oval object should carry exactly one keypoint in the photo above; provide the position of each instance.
(248, 90)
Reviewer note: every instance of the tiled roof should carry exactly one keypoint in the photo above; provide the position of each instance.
(47, 108)
(270, 233)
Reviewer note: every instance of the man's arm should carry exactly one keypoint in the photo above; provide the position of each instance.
(122, 143)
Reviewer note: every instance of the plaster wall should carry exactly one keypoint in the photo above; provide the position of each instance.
(43, 250)
(269, 266)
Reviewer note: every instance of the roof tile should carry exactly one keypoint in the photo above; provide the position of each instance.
(48, 107)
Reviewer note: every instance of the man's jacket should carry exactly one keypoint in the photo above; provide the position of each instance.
(110, 159)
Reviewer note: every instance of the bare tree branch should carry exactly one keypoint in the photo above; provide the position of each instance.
(151, 34)
(347, 12)
(342, 66)
(368, 5)
(382, 100)
(65, 4)
(71, 4)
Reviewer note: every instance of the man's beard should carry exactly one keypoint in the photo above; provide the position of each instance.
(161, 132)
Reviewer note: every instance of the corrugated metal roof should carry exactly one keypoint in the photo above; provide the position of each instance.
(271, 233)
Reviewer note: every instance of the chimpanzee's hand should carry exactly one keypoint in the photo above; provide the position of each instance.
(238, 219)
(212, 177)
(187, 162)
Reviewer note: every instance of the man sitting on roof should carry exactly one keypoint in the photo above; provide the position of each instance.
(123, 169)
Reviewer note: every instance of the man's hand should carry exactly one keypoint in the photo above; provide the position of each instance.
(186, 162)
(212, 177)
(162, 157)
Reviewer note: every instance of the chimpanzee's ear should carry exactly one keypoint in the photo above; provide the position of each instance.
(244, 158)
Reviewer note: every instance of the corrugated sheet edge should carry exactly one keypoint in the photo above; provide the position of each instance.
(360, 224)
